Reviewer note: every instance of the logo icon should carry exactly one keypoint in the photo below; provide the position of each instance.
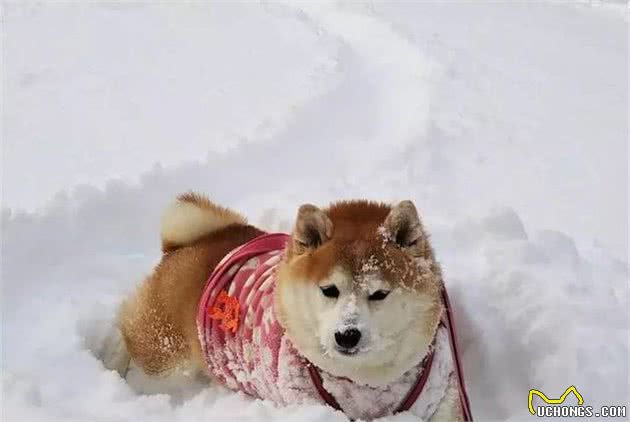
(547, 400)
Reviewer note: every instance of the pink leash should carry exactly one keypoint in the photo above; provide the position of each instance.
(411, 398)
(463, 395)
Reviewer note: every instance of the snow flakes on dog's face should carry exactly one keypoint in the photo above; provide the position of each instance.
(364, 258)
(386, 262)
(395, 323)
(359, 279)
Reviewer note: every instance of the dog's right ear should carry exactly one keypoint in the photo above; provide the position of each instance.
(312, 228)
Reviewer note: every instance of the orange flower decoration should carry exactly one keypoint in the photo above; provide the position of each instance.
(226, 309)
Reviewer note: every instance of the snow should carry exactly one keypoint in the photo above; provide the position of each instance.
(505, 123)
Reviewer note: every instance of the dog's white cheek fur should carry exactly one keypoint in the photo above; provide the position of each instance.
(389, 322)
(395, 329)
(299, 307)
(397, 337)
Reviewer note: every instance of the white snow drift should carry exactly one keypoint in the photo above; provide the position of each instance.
(505, 123)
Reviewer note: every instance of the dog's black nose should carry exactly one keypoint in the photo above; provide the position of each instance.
(348, 339)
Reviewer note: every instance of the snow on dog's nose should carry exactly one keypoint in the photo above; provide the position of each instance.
(348, 331)
(348, 339)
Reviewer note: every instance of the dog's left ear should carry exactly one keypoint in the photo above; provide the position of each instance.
(312, 228)
(403, 226)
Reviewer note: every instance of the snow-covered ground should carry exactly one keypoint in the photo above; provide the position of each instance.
(506, 123)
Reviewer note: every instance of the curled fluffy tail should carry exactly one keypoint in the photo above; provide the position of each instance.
(191, 217)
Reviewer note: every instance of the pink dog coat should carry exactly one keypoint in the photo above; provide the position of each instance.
(247, 349)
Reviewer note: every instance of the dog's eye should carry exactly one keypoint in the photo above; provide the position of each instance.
(379, 295)
(402, 239)
(330, 291)
(408, 244)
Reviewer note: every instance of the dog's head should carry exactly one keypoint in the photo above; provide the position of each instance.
(359, 289)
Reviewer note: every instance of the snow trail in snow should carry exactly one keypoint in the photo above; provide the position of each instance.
(506, 124)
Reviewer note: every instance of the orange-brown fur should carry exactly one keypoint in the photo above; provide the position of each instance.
(165, 305)
(358, 246)
(354, 240)
(158, 322)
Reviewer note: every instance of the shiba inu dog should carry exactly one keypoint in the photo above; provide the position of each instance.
(347, 310)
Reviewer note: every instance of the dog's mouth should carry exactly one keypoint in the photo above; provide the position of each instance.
(347, 352)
